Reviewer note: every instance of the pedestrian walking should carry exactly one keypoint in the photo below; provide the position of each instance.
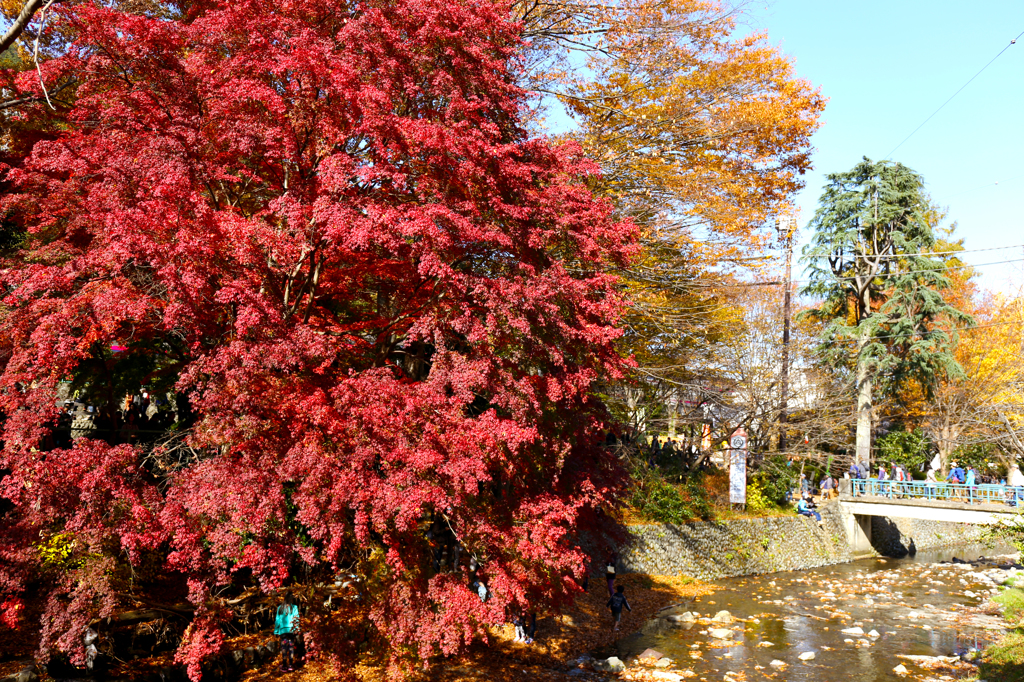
(930, 484)
(519, 621)
(969, 481)
(902, 476)
(616, 604)
(609, 573)
(1015, 479)
(956, 478)
(286, 626)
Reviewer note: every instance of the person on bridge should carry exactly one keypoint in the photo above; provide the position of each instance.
(883, 481)
(956, 477)
(930, 483)
(854, 475)
(1015, 479)
(972, 477)
(903, 477)
(826, 488)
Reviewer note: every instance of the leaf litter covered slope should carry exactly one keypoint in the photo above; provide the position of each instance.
(560, 639)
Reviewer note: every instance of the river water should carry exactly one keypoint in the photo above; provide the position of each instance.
(917, 606)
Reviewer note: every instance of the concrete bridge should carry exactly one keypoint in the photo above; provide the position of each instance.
(858, 510)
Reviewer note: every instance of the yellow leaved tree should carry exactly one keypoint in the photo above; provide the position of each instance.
(986, 405)
(702, 134)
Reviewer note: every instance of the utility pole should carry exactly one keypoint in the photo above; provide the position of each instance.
(787, 315)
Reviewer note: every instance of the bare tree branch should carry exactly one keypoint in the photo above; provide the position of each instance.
(21, 23)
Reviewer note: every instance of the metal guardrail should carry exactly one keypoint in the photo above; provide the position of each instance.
(920, 490)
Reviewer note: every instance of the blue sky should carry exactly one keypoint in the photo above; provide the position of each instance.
(885, 67)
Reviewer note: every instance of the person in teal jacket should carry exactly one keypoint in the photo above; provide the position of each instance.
(803, 509)
(286, 626)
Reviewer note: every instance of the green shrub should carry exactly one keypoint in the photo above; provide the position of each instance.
(984, 457)
(774, 479)
(1012, 600)
(658, 500)
(911, 449)
(697, 497)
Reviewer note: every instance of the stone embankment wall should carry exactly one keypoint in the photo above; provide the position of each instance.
(710, 549)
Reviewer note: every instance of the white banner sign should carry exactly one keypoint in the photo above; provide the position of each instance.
(738, 467)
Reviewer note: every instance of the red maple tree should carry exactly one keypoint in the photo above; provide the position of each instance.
(381, 306)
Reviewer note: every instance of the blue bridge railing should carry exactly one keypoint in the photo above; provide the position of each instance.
(954, 492)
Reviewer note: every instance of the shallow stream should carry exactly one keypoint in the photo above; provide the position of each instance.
(919, 606)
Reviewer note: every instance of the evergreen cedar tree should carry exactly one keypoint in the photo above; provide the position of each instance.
(326, 227)
(869, 260)
(869, 264)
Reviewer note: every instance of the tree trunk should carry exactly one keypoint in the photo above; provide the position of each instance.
(672, 415)
(949, 435)
(786, 315)
(863, 403)
(945, 451)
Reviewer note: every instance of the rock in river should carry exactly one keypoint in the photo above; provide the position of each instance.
(721, 633)
(686, 617)
(806, 656)
(610, 665)
(722, 617)
(666, 676)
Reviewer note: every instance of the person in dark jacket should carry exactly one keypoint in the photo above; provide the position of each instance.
(616, 604)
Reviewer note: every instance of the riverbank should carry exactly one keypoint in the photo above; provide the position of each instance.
(876, 619)
(711, 550)
(1004, 660)
(564, 642)
(561, 640)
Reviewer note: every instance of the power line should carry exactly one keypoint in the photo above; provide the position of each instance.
(938, 269)
(937, 253)
(908, 272)
(1012, 42)
(954, 329)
